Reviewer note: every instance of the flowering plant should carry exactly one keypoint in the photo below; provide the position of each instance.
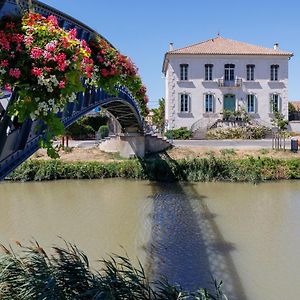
(112, 69)
(44, 64)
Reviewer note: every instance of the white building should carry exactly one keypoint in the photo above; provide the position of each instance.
(204, 79)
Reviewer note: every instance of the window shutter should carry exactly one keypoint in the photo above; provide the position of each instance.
(179, 103)
(190, 103)
(280, 103)
(255, 104)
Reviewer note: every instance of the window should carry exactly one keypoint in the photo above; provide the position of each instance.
(209, 102)
(184, 103)
(250, 72)
(251, 103)
(208, 71)
(229, 72)
(184, 71)
(275, 103)
(274, 72)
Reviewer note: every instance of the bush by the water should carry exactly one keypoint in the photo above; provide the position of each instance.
(66, 275)
(245, 132)
(225, 168)
(181, 133)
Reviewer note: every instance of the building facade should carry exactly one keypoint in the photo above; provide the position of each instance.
(206, 79)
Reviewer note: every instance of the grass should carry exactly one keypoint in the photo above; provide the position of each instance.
(66, 275)
(163, 168)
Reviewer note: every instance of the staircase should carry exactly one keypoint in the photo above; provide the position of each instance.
(200, 127)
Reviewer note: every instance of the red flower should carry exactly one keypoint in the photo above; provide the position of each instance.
(104, 73)
(36, 52)
(15, 73)
(36, 71)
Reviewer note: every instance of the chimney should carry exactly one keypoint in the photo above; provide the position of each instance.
(276, 46)
(171, 47)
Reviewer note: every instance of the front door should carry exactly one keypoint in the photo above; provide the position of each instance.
(229, 102)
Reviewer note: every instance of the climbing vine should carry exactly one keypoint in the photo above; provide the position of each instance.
(47, 65)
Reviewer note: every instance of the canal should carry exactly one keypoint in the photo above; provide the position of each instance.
(243, 234)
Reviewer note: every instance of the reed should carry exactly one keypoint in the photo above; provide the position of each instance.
(31, 274)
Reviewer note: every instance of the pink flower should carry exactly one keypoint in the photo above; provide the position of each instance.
(4, 63)
(52, 20)
(73, 33)
(47, 55)
(51, 46)
(48, 69)
(36, 71)
(15, 73)
(62, 84)
(28, 40)
(7, 88)
(36, 53)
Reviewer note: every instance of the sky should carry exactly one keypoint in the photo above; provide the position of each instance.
(143, 29)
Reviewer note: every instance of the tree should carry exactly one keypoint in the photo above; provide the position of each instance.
(159, 115)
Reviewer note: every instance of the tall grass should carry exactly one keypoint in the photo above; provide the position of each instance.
(32, 274)
(225, 168)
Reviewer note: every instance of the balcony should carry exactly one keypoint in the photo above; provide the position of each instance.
(230, 83)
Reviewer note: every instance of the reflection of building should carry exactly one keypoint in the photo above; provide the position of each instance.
(204, 79)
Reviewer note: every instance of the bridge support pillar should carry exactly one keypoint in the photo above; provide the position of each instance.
(128, 145)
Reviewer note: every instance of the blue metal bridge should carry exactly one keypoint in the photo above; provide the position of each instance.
(20, 141)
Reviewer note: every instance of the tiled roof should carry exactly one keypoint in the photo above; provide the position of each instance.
(296, 104)
(220, 45)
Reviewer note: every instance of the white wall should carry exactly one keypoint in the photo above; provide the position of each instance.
(262, 87)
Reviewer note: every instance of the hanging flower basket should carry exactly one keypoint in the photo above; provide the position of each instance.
(47, 65)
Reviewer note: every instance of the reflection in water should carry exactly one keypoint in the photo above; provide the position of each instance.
(186, 245)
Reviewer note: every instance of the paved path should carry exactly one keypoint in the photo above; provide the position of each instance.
(236, 144)
(241, 144)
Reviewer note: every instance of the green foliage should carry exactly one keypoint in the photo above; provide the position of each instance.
(181, 133)
(66, 275)
(245, 132)
(279, 121)
(103, 131)
(226, 168)
(159, 115)
(229, 152)
(86, 127)
(291, 108)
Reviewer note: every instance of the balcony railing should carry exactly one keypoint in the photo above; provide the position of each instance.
(230, 83)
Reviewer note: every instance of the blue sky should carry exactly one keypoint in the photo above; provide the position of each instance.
(143, 29)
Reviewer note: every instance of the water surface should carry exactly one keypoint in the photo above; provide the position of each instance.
(247, 235)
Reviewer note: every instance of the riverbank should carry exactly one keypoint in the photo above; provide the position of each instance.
(225, 167)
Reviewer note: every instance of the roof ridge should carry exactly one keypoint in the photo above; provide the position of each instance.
(195, 44)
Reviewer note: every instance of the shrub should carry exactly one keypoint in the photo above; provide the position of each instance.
(181, 133)
(225, 168)
(103, 131)
(246, 132)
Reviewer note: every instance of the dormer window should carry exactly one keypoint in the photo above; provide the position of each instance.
(229, 72)
(208, 71)
(274, 72)
(250, 72)
(184, 71)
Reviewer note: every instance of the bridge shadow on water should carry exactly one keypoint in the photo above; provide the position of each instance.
(186, 244)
